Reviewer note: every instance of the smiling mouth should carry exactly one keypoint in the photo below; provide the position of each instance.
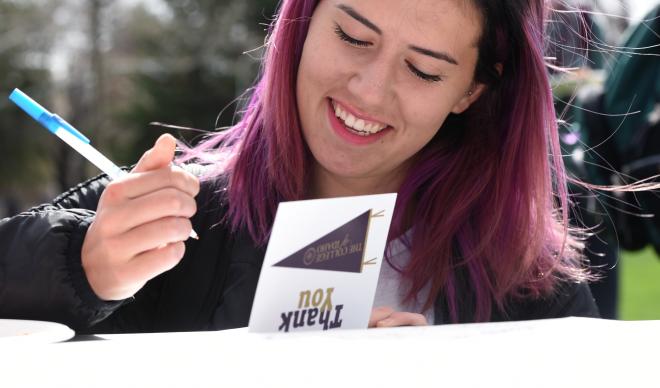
(356, 125)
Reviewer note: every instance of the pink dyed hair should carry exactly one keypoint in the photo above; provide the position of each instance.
(486, 196)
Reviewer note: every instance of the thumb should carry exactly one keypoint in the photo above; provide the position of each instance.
(159, 156)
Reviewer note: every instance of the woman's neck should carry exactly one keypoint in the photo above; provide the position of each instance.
(328, 185)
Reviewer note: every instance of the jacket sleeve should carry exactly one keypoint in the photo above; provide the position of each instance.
(569, 300)
(573, 300)
(41, 275)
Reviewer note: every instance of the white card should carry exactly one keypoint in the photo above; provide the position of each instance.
(322, 264)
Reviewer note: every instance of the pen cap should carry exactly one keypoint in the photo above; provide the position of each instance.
(30, 106)
(50, 121)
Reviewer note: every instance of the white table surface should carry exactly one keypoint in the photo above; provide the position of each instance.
(568, 352)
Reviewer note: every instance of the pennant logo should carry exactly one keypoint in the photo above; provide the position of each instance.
(340, 250)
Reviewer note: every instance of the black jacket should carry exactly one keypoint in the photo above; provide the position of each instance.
(41, 275)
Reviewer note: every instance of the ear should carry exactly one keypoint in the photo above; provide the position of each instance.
(470, 96)
(473, 94)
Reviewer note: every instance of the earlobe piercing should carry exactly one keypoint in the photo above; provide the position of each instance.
(470, 93)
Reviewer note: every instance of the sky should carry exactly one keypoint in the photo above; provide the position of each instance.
(155, 6)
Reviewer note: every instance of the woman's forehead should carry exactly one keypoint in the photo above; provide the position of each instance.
(455, 22)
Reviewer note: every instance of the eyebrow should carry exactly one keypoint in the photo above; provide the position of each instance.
(434, 54)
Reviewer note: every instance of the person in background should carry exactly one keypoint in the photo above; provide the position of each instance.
(446, 102)
(581, 54)
(609, 136)
(620, 119)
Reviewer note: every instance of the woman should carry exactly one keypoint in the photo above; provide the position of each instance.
(446, 102)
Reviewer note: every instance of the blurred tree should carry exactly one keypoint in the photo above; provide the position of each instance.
(182, 68)
(120, 68)
(25, 45)
(83, 89)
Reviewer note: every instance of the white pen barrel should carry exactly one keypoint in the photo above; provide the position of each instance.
(91, 154)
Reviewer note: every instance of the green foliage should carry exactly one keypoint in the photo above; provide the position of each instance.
(23, 51)
(128, 67)
(189, 67)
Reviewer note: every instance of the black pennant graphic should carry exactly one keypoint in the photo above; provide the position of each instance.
(340, 250)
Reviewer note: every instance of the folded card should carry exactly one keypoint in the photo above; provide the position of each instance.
(322, 263)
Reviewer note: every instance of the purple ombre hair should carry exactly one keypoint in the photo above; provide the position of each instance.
(264, 155)
(487, 197)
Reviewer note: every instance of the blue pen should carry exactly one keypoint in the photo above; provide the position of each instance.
(66, 132)
(69, 135)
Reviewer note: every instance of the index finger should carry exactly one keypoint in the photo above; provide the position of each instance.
(378, 314)
(137, 184)
(403, 319)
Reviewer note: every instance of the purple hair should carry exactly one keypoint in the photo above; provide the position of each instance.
(487, 196)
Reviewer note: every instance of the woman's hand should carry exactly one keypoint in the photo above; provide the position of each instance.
(387, 317)
(141, 222)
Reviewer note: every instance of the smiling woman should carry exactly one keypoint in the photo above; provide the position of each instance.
(446, 102)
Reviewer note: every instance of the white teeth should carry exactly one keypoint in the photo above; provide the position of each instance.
(359, 126)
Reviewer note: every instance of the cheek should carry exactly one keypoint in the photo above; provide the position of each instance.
(425, 114)
(318, 71)
(314, 83)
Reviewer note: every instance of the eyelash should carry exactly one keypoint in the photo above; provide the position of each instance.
(346, 38)
(359, 43)
(423, 76)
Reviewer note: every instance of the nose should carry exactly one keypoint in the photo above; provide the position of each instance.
(373, 82)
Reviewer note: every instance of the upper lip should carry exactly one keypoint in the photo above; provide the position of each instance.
(355, 112)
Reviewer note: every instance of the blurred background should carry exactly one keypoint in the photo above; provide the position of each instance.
(113, 67)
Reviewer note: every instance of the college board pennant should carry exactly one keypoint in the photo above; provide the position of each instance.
(340, 250)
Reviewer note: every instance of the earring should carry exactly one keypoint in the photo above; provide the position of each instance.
(470, 93)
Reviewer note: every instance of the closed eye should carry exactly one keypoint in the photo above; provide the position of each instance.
(349, 39)
(422, 75)
(360, 43)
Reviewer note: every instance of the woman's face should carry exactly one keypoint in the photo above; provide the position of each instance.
(376, 81)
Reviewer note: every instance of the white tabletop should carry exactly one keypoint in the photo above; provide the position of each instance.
(551, 353)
